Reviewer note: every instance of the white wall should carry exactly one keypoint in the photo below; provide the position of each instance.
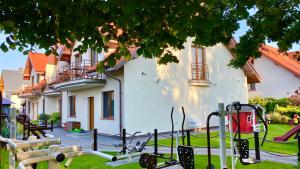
(51, 104)
(37, 109)
(276, 82)
(149, 96)
(82, 107)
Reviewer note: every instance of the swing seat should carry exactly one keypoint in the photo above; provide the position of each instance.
(250, 160)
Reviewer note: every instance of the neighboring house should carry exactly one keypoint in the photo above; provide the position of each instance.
(280, 73)
(138, 94)
(38, 98)
(10, 83)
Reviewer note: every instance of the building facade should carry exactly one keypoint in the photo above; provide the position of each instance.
(138, 94)
(280, 73)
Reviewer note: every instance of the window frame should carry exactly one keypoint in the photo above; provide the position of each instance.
(197, 62)
(111, 115)
(72, 106)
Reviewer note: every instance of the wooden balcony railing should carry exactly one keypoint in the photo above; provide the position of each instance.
(199, 71)
(75, 71)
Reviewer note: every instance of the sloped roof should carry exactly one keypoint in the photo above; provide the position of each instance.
(37, 62)
(282, 59)
(249, 70)
(6, 101)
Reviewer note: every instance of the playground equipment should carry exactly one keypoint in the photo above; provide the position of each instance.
(128, 150)
(185, 155)
(239, 146)
(288, 134)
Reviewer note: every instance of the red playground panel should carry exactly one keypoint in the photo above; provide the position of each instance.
(246, 119)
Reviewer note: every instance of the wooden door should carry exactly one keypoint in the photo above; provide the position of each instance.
(91, 109)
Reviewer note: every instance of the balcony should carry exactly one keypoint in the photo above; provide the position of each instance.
(200, 76)
(33, 90)
(77, 75)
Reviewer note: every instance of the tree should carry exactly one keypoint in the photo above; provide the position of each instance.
(155, 26)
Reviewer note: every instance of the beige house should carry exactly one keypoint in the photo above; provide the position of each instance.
(39, 99)
(10, 83)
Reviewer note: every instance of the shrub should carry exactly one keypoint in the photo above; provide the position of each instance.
(289, 110)
(270, 103)
(55, 117)
(5, 132)
(43, 117)
(278, 118)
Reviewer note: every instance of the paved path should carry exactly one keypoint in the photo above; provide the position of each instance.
(106, 143)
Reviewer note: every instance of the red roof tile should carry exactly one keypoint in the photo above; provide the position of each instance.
(281, 59)
(38, 61)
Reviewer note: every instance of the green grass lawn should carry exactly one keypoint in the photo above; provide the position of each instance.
(274, 130)
(94, 162)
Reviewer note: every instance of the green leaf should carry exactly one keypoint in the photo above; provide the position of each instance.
(4, 47)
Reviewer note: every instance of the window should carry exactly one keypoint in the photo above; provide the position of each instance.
(252, 86)
(108, 105)
(199, 68)
(249, 119)
(32, 80)
(94, 57)
(78, 59)
(72, 106)
(37, 78)
(33, 108)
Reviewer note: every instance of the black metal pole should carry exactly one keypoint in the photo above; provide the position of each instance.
(172, 134)
(124, 141)
(182, 125)
(188, 137)
(95, 147)
(209, 165)
(155, 142)
(256, 141)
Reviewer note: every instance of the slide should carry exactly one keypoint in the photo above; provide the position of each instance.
(289, 134)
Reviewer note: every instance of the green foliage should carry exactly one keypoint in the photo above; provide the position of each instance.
(55, 117)
(35, 122)
(153, 26)
(43, 117)
(278, 118)
(288, 111)
(5, 132)
(270, 103)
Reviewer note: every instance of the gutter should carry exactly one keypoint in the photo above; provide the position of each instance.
(120, 100)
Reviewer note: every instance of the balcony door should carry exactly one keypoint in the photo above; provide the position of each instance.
(91, 112)
(198, 63)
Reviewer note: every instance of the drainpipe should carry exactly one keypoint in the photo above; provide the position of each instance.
(120, 100)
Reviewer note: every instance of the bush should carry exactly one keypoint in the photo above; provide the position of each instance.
(270, 103)
(55, 117)
(5, 132)
(278, 118)
(289, 110)
(44, 117)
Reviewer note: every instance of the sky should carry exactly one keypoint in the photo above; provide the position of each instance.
(13, 59)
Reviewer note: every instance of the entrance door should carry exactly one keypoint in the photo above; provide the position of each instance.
(91, 108)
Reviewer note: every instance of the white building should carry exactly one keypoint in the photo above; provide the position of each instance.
(280, 73)
(138, 95)
(10, 83)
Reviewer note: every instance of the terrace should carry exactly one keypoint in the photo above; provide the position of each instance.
(33, 90)
(77, 75)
